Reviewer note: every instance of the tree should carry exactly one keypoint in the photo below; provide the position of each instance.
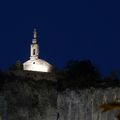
(17, 66)
(79, 74)
(84, 68)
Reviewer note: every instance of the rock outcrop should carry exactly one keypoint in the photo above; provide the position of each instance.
(29, 99)
(85, 104)
(26, 98)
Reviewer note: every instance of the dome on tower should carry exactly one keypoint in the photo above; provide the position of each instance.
(34, 63)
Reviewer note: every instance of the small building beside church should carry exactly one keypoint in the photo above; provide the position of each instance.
(34, 63)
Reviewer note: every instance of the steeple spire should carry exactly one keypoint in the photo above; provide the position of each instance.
(34, 36)
(35, 33)
(34, 51)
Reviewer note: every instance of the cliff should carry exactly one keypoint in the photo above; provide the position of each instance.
(27, 98)
(39, 96)
(85, 104)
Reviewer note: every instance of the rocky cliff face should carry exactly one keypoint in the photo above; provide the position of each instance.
(26, 98)
(84, 104)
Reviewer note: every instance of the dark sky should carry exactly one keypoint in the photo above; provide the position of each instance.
(68, 29)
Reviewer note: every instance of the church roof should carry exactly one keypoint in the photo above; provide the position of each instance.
(37, 65)
(37, 61)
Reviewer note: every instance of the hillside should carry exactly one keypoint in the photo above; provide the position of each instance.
(74, 93)
(28, 98)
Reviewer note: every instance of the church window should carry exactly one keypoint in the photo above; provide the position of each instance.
(33, 51)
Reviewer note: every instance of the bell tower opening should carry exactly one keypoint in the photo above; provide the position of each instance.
(33, 51)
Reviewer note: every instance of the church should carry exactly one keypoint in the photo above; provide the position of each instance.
(34, 63)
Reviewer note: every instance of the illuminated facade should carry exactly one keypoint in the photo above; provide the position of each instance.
(36, 64)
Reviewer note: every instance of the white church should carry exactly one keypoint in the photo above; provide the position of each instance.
(34, 63)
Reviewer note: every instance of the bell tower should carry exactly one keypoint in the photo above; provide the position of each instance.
(34, 49)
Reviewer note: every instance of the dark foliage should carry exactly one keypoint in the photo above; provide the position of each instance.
(76, 75)
(17, 66)
(83, 74)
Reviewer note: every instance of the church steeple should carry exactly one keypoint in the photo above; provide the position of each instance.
(34, 46)
(34, 36)
(34, 63)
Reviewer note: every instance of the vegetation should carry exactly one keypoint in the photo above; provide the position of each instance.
(36, 92)
(83, 74)
(17, 66)
(36, 95)
(75, 75)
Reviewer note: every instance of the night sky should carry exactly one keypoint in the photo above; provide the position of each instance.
(67, 29)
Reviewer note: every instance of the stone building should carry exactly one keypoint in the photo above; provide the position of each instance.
(36, 64)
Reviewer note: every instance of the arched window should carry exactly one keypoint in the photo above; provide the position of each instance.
(33, 51)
